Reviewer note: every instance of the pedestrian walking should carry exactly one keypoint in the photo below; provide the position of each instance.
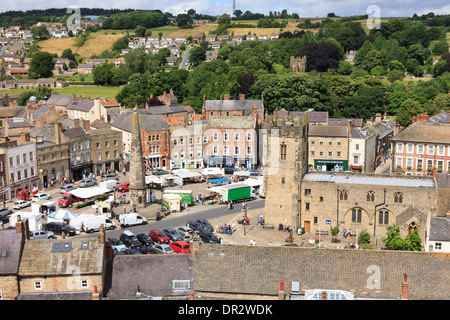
(225, 229)
(3, 226)
(203, 200)
(229, 230)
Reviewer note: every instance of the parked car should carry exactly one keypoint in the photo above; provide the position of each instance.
(254, 172)
(185, 232)
(67, 188)
(172, 234)
(163, 248)
(41, 196)
(60, 228)
(109, 176)
(129, 239)
(5, 219)
(205, 224)
(87, 183)
(124, 187)
(158, 236)
(40, 234)
(148, 250)
(144, 239)
(20, 204)
(180, 246)
(132, 251)
(117, 245)
(159, 172)
(5, 211)
(196, 226)
(208, 237)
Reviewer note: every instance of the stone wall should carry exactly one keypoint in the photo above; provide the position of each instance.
(252, 270)
(9, 287)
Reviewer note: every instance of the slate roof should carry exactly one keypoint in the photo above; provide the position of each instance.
(327, 131)
(17, 123)
(443, 180)
(40, 259)
(232, 105)
(343, 122)
(380, 129)
(80, 295)
(163, 109)
(6, 112)
(82, 105)
(11, 242)
(409, 213)
(144, 272)
(74, 132)
(313, 116)
(425, 132)
(60, 100)
(439, 229)
(443, 117)
(39, 112)
(124, 120)
(231, 122)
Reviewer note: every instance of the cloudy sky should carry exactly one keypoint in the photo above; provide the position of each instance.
(305, 8)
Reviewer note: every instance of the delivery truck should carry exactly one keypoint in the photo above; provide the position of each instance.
(235, 192)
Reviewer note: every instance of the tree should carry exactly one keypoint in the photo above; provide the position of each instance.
(197, 55)
(372, 98)
(320, 56)
(121, 43)
(184, 20)
(395, 75)
(41, 65)
(393, 241)
(67, 53)
(224, 19)
(407, 110)
(362, 52)
(139, 31)
(40, 32)
(345, 68)
(103, 73)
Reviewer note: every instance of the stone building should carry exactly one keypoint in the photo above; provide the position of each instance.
(298, 64)
(186, 145)
(328, 147)
(80, 150)
(12, 242)
(320, 200)
(70, 268)
(106, 149)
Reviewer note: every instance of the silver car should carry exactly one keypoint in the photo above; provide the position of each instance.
(185, 232)
(39, 234)
(87, 183)
(5, 211)
(163, 248)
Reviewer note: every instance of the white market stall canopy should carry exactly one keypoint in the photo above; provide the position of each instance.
(187, 174)
(241, 174)
(253, 182)
(86, 193)
(61, 215)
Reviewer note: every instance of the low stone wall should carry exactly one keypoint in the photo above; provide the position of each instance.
(248, 270)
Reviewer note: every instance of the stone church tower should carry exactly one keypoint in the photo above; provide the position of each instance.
(138, 189)
(285, 160)
(298, 64)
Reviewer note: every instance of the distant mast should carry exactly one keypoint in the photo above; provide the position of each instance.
(234, 9)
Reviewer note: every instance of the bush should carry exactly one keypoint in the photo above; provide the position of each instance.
(367, 246)
(364, 238)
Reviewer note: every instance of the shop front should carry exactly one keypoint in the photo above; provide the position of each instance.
(331, 165)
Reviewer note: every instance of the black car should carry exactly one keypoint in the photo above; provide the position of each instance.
(132, 251)
(5, 219)
(129, 239)
(196, 226)
(172, 234)
(60, 228)
(208, 237)
(148, 250)
(145, 239)
(205, 224)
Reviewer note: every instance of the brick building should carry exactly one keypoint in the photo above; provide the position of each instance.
(186, 145)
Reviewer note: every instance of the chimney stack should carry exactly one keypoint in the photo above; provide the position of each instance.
(242, 96)
(171, 91)
(57, 126)
(226, 97)
(76, 122)
(378, 117)
(101, 236)
(396, 128)
(25, 136)
(281, 294)
(87, 125)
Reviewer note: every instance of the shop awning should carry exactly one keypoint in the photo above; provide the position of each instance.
(241, 173)
(185, 175)
(86, 193)
(219, 180)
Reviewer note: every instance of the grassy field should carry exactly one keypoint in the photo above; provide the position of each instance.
(91, 91)
(99, 41)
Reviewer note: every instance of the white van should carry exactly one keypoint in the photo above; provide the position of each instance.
(131, 219)
(93, 223)
(109, 184)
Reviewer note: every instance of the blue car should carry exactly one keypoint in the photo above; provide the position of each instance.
(254, 172)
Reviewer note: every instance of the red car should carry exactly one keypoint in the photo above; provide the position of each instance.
(180, 246)
(124, 186)
(158, 236)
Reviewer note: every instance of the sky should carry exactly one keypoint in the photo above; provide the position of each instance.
(305, 8)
